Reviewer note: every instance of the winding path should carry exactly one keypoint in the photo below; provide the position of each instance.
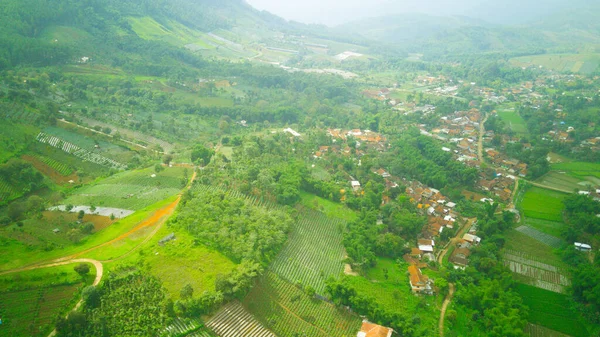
(157, 218)
(445, 306)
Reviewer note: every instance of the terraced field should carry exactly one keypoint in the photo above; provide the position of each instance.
(287, 310)
(535, 273)
(313, 252)
(543, 204)
(187, 327)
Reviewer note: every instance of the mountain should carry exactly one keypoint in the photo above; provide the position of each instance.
(437, 36)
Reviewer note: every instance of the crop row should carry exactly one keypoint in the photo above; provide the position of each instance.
(540, 236)
(287, 310)
(181, 327)
(534, 330)
(78, 152)
(20, 116)
(313, 252)
(59, 167)
(529, 260)
(233, 321)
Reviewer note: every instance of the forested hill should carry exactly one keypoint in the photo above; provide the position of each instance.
(572, 30)
(49, 32)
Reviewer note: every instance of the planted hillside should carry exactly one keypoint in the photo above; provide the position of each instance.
(127, 303)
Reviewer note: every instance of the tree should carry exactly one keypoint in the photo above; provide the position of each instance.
(16, 210)
(201, 155)
(167, 158)
(80, 214)
(91, 297)
(82, 269)
(186, 292)
(158, 168)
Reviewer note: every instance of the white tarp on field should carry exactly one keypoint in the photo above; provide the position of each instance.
(105, 211)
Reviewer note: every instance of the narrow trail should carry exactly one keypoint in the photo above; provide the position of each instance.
(157, 218)
(445, 306)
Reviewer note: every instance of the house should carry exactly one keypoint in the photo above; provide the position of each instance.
(56, 230)
(425, 245)
(460, 257)
(166, 239)
(355, 185)
(416, 253)
(473, 239)
(292, 132)
(419, 283)
(582, 247)
(373, 330)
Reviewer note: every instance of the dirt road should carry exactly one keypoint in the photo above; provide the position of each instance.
(480, 140)
(445, 306)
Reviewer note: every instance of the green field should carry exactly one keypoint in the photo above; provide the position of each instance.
(14, 138)
(582, 170)
(543, 204)
(313, 252)
(179, 262)
(132, 189)
(582, 63)
(553, 228)
(563, 181)
(394, 294)
(327, 207)
(30, 301)
(285, 309)
(520, 242)
(552, 310)
(513, 120)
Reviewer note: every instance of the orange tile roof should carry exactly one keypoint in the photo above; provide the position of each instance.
(374, 330)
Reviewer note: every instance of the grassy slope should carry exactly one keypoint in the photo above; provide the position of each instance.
(514, 120)
(543, 204)
(552, 310)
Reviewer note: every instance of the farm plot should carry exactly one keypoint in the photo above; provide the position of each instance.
(562, 181)
(287, 310)
(534, 330)
(579, 169)
(58, 172)
(530, 270)
(32, 312)
(131, 190)
(313, 252)
(519, 242)
(543, 204)
(549, 227)
(78, 152)
(103, 211)
(254, 201)
(7, 192)
(552, 311)
(234, 321)
(544, 238)
(186, 327)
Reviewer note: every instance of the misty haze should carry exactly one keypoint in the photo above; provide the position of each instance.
(261, 168)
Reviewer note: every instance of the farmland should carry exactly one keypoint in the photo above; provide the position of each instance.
(286, 309)
(582, 63)
(543, 204)
(132, 189)
(552, 311)
(314, 251)
(531, 271)
(30, 301)
(562, 181)
(582, 170)
(553, 228)
(542, 237)
(513, 120)
(233, 321)
(517, 241)
(187, 327)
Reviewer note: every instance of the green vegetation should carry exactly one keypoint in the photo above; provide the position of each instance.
(31, 301)
(580, 170)
(314, 251)
(553, 228)
(288, 309)
(132, 190)
(562, 181)
(126, 303)
(514, 121)
(575, 63)
(552, 310)
(543, 204)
